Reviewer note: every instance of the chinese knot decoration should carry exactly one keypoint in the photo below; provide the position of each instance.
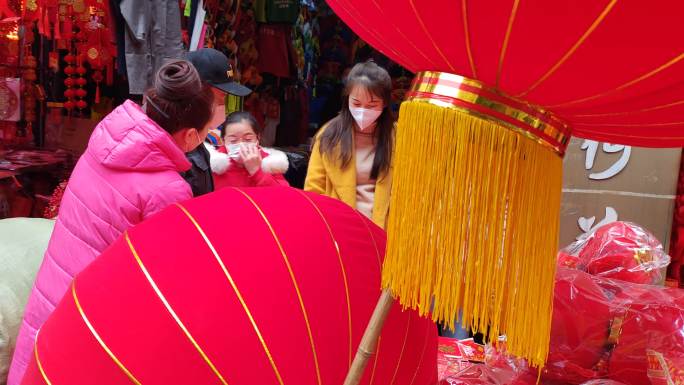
(80, 27)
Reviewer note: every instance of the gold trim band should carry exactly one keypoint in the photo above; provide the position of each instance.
(40, 365)
(98, 338)
(342, 268)
(286, 260)
(172, 312)
(472, 97)
(237, 292)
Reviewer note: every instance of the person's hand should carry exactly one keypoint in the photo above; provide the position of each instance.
(251, 158)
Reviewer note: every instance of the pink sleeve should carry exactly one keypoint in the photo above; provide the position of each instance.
(174, 192)
(263, 179)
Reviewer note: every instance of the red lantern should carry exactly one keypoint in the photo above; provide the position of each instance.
(98, 77)
(70, 70)
(81, 93)
(81, 70)
(70, 93)
(70, 59)
(561, 55)
(69, 105)
(81, 104)
(31, 62)
(263, 303)
(69, 82)
(502, 85)
(81, 82)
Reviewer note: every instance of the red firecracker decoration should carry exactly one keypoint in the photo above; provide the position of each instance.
(53, 204)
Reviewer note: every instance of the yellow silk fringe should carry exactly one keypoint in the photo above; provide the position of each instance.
(474, 218)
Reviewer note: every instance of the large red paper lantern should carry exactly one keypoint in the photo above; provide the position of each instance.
(500, 88)
(613, 70)
(260, 286)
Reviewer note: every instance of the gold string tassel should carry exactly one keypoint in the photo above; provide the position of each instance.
(474, 224)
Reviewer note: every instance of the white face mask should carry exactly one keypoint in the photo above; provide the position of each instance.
(364, 117)
(233, 150)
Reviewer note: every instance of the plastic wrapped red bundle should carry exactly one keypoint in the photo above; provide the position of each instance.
(467, 363)
(579, 330)
(648, 332)
(604, 332)
(609, 329)
(619, 250)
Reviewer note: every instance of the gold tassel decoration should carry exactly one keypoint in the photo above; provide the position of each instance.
(475, 211)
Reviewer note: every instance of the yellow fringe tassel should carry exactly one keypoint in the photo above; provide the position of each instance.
(473, 225)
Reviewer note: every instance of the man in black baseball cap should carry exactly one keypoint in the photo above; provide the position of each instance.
(213, 68)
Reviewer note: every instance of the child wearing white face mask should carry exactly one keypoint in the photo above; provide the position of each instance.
(351, 158)
(241, 162)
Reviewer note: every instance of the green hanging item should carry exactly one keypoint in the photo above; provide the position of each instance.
(233, 104)
(188, 8)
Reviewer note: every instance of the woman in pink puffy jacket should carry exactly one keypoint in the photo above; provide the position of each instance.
(129, 172)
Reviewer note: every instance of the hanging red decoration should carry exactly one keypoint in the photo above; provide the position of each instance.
(501, 85)
(584, 60)
(81, 27)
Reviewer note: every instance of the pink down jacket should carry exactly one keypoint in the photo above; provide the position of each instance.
(129, 172)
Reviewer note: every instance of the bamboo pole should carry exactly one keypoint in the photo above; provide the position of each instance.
(369, 341)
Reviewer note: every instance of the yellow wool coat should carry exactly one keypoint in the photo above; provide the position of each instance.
(326, 176)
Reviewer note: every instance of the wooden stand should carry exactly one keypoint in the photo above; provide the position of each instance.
(369, 341)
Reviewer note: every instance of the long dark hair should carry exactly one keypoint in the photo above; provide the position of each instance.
(339, 131)
(179, 99)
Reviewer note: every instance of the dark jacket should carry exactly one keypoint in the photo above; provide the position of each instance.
(199, 176)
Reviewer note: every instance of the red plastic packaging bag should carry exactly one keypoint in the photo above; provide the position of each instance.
(610, 329)
(579, 329)
(619, 250)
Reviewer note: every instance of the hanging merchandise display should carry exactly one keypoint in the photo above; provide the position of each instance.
(221, 20)
(153, 35)
(480, 103)
(83, 29)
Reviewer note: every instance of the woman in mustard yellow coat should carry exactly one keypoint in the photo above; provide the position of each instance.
(351, 159)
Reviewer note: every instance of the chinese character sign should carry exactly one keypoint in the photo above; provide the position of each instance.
(605, 182)
(591, 147)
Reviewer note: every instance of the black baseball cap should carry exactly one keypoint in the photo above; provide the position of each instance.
(213, 68)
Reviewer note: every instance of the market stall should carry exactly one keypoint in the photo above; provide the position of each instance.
(65, 64)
